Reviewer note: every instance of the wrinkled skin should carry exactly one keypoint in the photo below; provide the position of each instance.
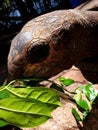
(53, 42)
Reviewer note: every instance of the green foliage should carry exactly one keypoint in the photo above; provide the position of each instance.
(3, 123)
(80, 102)
(23, 104)
(34, 103)
(6, 3)
(66, 82)
(90, 92)
(86, 105)
(76, 114)
(78, 95)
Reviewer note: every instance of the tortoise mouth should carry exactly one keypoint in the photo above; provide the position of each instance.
(16, 65)
(14, 70)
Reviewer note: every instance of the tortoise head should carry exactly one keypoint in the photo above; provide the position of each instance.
(37, 58)
(26, 57)
(47, 45)
(38, 50)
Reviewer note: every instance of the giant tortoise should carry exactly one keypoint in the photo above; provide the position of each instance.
(53, 42)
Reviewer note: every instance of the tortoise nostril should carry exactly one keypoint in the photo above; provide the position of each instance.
(37, 52)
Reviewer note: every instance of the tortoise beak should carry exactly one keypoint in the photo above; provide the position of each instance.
(14, 70)
(15, 66)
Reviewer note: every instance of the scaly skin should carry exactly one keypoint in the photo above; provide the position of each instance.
(53, 42)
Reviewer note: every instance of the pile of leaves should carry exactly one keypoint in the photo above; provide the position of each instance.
(24, 104)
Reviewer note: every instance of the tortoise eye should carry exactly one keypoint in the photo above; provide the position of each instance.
(37, 53)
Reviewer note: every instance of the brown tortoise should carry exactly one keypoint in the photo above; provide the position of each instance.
(53, 42)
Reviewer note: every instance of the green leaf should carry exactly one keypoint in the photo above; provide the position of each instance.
(4, 94)
(65, 82)
(23, 120)
(83, 104)
(24, 105)
(90, 92)
(34, 103)
(24, 112)
(76, 114)
(78, 95)
(3, 123)
(40, 93)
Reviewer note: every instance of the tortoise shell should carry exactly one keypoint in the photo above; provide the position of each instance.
(53, 42)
